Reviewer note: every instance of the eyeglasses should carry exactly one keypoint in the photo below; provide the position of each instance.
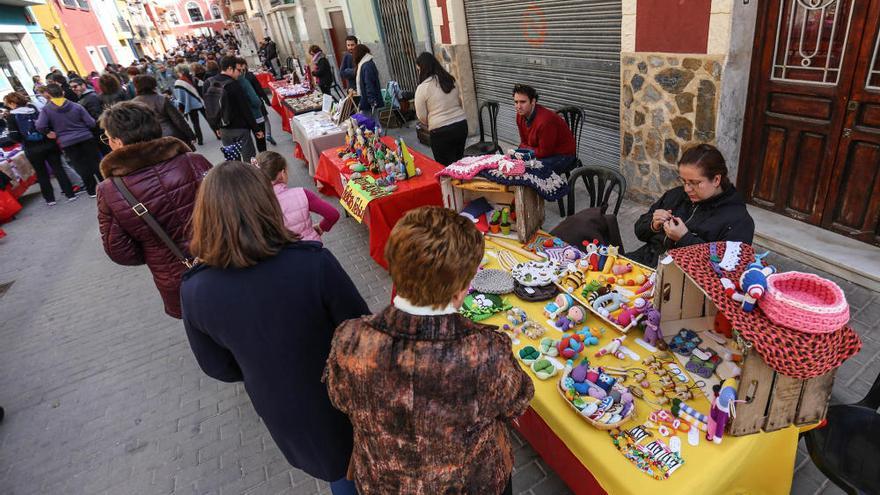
(105, 139)
(694, 184)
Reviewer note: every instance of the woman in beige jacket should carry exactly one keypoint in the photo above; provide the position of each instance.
(438, 105)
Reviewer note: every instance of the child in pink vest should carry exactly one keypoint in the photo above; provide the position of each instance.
(297, 203)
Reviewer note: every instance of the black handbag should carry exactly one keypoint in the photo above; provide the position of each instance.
(141, 211)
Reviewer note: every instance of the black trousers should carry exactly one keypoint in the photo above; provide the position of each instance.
(197, 128)
(261, 142)
(85, 158)
(447, 142)
(38, 156)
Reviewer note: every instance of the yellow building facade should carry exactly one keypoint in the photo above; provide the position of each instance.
(50, 21)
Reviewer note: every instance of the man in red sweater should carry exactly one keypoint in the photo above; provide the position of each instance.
(543, 131)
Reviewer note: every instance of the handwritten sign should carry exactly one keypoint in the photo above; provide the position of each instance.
(358, 194)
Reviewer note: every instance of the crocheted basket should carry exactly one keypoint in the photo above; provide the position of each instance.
(790, 352)
(805, 302)
(492, 281)
(597, 420)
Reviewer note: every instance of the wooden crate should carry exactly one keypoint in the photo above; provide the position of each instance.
(528, 204)
(773, 400)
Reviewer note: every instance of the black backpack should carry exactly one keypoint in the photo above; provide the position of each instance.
(216, 106)
(27, 127)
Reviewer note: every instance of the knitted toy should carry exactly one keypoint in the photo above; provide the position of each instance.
(589, 338)
(722, 409)
(570, 346)
(549, 347)
(607, 303)
(630, 313)
(572, 318)
(529, 354)
(652, 325)
(558, 306)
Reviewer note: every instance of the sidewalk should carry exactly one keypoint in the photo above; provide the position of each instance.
(103, 395)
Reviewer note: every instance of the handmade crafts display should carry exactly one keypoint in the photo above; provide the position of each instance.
(364, 152)
(752, 283)
(307, 103)
(596, 395)
(536, 273)
(652, 457)
(805, 302)
(292, 90)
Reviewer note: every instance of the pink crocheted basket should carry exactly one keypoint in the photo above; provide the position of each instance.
(804, 302)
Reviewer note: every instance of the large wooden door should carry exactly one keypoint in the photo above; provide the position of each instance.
(337, 35)
(811, 148)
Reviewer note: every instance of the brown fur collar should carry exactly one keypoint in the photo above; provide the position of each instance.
(134, 157)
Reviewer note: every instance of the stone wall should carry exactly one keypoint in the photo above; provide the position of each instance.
(668, 103)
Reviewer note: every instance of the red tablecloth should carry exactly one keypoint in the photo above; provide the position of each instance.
(265, 78)
(279, 106)
(383, 213)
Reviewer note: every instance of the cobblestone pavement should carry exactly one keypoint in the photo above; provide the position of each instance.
(103, 395)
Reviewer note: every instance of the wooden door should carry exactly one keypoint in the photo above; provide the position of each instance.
(808, 53)
(337, 35)
(854, 208)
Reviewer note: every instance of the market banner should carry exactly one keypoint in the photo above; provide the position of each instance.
(358, 194)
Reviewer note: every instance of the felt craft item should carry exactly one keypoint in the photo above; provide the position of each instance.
(535, 294)
(478, 306)
(791, 352)
(805, 302)
(529, 354)
(491, 281)
(548, 347)
(544, 369)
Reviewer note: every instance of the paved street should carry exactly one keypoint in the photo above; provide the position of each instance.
(103, 395)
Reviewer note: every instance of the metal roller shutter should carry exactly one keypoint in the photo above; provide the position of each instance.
(569, 50)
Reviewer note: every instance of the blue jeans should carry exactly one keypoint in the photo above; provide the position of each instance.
(343, 486)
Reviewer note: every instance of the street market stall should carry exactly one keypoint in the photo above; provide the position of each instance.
(695, 379)
(283, 90)
(264, 77)
(16, 176)
(313, 133)
(381, 213)
(585, 456)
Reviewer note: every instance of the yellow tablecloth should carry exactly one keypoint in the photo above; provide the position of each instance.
(762, 463)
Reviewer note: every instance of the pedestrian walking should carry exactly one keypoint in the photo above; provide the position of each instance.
(39, 149)
(189, 100)
(261, 308)
(170, 118)
(73, 127)
(228, 111)
(163, 176)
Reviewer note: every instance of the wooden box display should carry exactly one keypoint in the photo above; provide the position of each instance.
(772, 400)
(529, 206)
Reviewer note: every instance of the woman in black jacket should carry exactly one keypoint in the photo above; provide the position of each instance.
(321, 69)
(37, 147)
(170, 118)
(706, 208)
(262, 308)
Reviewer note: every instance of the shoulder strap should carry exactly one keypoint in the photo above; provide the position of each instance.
(141, 211)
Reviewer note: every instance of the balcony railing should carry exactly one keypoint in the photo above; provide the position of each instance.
(276, 3)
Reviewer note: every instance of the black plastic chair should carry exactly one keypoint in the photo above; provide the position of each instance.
(600, 182)
(847, 447)
(484, 147)
(574, 117)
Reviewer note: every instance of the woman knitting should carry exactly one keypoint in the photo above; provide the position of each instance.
(705, 208)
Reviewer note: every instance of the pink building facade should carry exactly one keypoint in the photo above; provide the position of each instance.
(195, 17)
(80, 21)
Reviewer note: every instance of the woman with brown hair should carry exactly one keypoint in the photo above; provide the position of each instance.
(38, 147)
(705, 208)
(163, 176)
(321, 69)
(170, 118)
(428, 391)
(111, 90)
(261, 308)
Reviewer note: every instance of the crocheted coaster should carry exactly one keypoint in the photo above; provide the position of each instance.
(535, 294)
(791, 352)
(491, 281)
